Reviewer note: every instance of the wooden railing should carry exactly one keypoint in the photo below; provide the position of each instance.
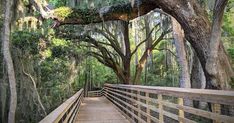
(97, 93)
(65, 113)
(144, 104)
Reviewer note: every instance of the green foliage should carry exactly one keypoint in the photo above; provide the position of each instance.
(26, 41)
(73, 13)
(58, 3)
(63, 12)
(59, 42)
(228, 24)
(51, 56)
(231, 52)
(102, 74)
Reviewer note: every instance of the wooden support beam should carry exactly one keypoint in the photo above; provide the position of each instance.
(181, 112)
(147, 108)
(160, 108)
(121, 93)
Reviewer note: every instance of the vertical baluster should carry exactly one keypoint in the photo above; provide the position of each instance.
(147, 108)
(160, 107)
(138, 106)
(132, 103)
(181, 112)
(216, 108)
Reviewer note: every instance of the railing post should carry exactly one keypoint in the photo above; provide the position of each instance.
(138, 105)
(216, 108)
(132, 103)
(181, 112)
(160, 107)
(147, 108)
(104, 91)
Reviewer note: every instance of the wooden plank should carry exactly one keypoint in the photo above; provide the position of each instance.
(129, 94)
(99, 110)
(206, 114)
(213, 96)
(70, 112)
(185, 120)
(147, 108)
(121, 111)
(136, 109)
(139, 106)
(171, 115)
(160, 108)
(181, 112)
(216, 108)
(123, 107)
(56, 115)
(142, 121)
(74, 116)
(97, 93)
(206, 95)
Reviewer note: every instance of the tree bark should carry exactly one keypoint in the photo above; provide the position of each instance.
(178, 34)
(198, 79)
(127, 60)
(136, 38)
(212, 65)
(8, 60)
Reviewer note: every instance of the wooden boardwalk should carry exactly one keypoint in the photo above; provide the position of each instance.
(99, 110)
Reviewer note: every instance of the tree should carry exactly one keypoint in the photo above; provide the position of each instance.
(191, 16)
(178, 35)
(212, 66)
(8, 60)
(109, 51)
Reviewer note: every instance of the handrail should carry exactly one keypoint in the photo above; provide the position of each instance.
(147, 103)
(97, 93)
(66, 112)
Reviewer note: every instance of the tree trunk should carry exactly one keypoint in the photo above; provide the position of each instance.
(197, 28)
(136, 38)
(8, 60)
(149, 42)
(120, 37)
(198, 79)
(181, 54)
(178, 35)
(212, 65)
(141, 64)
(127, 59)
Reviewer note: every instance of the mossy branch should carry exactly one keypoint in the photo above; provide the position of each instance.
(66, 15)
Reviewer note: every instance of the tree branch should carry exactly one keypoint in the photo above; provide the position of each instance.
(118, 12)
(134, 51)
(166, 50)
(113, 43)
(100, 58)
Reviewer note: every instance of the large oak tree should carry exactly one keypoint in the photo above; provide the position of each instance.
(191, 16)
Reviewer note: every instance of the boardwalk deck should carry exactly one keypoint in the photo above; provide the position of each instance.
(99, 110)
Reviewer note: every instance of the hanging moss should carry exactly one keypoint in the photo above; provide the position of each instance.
(63, 13)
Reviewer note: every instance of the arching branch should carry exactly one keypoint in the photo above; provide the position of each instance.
(147, 38)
